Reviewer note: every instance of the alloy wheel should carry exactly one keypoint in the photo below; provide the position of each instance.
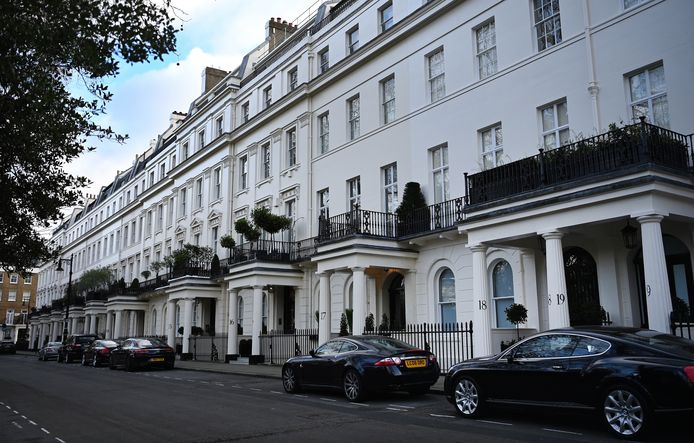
(289, 379)
(84, 360)
(624, 412)
(352, 386)
(467, 398)
(94, 362)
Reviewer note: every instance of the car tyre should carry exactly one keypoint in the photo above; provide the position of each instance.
(289, 380)
(467, 397)
(84, 360)
(625, 412)
(353, 386)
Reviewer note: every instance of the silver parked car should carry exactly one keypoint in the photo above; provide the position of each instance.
(50, 351)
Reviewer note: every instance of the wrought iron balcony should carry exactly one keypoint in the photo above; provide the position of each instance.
(619, 150)
(269, 250)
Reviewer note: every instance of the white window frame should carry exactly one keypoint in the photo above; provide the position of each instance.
(649, 98)
(631, 4)
(267, 97)
(243, 172)
(546, 24)
(182, 202)
(435, 77)
(266, 163)
(293, 78)
(557, 129)
(324, 132)
(219, 125)
(353, 117)
(198, 193)
(245, 112)
(389, 175)
(495, 149)
(387, 101)
(12, 296)
(201, 139)
(217, 188)
(500, 322)
(353, 193)
(290, 137)
(323, 60)
(439, 173)
(323, 197)
(14, 278)
(443, 304)
(486, 49)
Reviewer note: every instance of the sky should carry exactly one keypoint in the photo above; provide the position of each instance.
(216, 33)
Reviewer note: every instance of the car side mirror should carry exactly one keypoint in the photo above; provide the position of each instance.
(312, 353)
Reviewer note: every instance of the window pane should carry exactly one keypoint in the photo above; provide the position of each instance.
(638, 86)
(501, 305)
(502, 280)
(447, 287)
(564, 137)
(486, 141)
(548, 118)
(550, 141)
(657, 80)
(448, 313)
(499, 136)
(639, 110)
(562, 114)
(661, 115)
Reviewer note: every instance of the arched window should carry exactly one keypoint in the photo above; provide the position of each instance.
(239, 314)
(447, 296)
(154, 322)
(502, 292)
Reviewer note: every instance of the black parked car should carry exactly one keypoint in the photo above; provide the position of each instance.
(99, 352)
(142, 352)
(50, 351)
(7, 347)
(73, 347)
(626, 374)
(361, 364)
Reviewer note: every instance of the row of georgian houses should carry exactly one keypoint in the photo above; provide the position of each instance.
(501, 111)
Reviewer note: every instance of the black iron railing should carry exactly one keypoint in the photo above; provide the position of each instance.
(278, 346)
(450, 342)
(357, 222)
(682, 325)
(208, 347)
(619, 149)
(436, 217)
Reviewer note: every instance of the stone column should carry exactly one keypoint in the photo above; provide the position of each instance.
(557, 300)
(257, 320)
(109, 325)
(411, 296)
(87, 319)
(171, 323)
(117, 324)
(233, 331)
(187, 326)
(32, 335)
(92, 324)
(324, 308)
(359, 300)
(482, 336)
(655, 273)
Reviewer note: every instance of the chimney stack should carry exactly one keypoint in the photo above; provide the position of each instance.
(276, 31)
(211, 77)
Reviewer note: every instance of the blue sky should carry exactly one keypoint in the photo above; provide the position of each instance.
(215, 33)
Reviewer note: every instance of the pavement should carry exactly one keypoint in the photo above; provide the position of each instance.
(243, 368)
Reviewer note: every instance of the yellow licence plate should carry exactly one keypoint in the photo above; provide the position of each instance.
(416, 363)
(157, 359)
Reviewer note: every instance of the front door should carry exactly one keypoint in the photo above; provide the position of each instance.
(582, 287)
(396, 294)
(288, 310)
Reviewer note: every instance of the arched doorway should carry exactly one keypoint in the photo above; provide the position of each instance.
(396, 293)
(582, 287)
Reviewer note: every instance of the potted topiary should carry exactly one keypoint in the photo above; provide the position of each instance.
(343, 325)
(227, 241)
(215, 267)
(413, 212)
(516, 314)
(145, 274)
(369, 323)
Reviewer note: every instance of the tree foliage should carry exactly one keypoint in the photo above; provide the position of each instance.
(94, 279)
(245, 228)
(46, 48)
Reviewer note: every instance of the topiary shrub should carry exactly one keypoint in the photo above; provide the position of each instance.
(135, 284)
(413, 212)
(343, 326)
(516, 314)
(369, 324)
(215, 267)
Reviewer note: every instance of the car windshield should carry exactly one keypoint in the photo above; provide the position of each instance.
(108, 343)
(387, 344)
(53, 344)
(663, 342)
(151, 343)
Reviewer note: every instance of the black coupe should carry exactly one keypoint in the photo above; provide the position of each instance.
(626, 374)
(361, 364)
(142, 352)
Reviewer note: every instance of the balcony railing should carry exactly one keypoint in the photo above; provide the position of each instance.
(620, 149)
(357, 222)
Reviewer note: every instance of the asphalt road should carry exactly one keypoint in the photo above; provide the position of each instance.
(49, 402)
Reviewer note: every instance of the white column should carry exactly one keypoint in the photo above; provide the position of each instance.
(54, 330)
(557, 300)
(171, 323)
(133, 323)
(117, 324)
(411, 296)
(109, 325)
(32, 335)
(482, 335)
(359, 300)
(92, 324)
(324, 308)
(87, 319)
(655, 274)
(257, 319)
(187, 323)
(233, 331)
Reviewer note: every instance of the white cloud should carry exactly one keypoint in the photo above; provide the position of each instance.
(217, 34)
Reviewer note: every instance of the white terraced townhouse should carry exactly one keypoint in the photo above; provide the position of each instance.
(550, 140)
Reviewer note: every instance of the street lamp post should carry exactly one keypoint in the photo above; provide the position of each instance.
(69, 292)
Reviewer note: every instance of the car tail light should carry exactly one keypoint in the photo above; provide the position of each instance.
(390, 361)
(689, 370)
(104, 350)
(140, 351)
(432, 358)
